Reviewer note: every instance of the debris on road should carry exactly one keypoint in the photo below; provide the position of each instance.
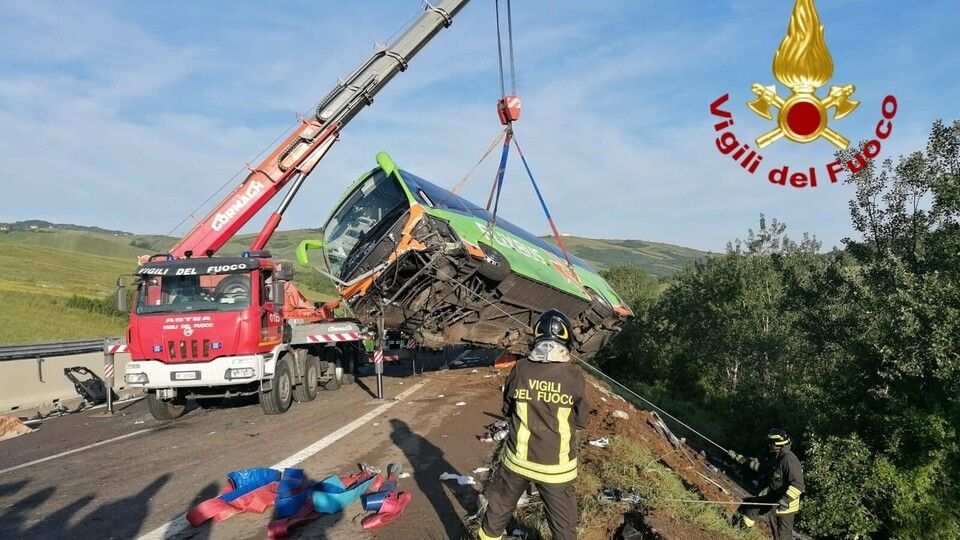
(11, 427)
(600, 443)
(462, 480)
(496, 431)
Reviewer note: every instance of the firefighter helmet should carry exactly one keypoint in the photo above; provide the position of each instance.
(778, 437)
(553, 324)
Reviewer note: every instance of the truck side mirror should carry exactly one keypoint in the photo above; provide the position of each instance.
(121, 299)
(302, 250)
(277, 292)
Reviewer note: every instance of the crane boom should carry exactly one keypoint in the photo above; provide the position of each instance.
(293, 160)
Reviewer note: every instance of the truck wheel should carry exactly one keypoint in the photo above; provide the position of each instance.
(278, 399)
(336, 376)
(349, 358)
(166, 410)
(307, 390)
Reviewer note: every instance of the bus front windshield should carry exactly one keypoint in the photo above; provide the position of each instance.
(181, 294)
(361, 220)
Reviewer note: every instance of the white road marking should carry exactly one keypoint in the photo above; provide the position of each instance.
(75, 450)
(176, 526)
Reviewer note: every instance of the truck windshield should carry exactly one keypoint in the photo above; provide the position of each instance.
(181, 294)
(362, 218)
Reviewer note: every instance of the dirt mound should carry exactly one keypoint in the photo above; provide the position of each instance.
(639, 459)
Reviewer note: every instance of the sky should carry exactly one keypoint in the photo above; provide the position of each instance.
(129, 115)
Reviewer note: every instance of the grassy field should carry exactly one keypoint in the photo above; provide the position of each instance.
(40, 271)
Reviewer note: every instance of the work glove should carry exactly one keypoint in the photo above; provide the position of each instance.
(783, 504)
(736, 457)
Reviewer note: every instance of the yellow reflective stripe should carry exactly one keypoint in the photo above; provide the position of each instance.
(561, 468)
(793, 492)
(748, 522)
(546, 478)
(754, 464)
(523, 434)
(563, 420)
(484, 536)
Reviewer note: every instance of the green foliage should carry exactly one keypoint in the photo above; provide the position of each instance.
(103, 306)
(856, 353)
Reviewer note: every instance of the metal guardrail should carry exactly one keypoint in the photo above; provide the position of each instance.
(50, 350)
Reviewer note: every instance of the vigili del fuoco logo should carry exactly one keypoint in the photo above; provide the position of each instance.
(803, 64)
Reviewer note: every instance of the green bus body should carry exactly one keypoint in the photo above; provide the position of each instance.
(473, 281)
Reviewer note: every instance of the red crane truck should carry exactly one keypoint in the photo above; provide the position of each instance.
(207, 327)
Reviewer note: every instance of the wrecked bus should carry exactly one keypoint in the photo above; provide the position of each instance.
(432, 265)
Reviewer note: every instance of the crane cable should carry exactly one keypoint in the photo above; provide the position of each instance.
(513, 71)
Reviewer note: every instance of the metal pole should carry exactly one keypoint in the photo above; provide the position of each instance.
(378, 355)
(108, 375)
(40, 368)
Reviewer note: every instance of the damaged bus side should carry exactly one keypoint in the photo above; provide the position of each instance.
(435, 267)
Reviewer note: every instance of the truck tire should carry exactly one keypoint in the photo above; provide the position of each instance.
(166, 410)
(336, 375)
(278, 399)
(350, 364)
(307, 390)
(496, 267)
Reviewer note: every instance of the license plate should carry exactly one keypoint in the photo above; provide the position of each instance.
(185, 375)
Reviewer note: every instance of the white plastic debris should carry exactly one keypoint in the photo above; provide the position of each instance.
(404, 475)
(619, 414)
(474, 371)
(461, 403)
(462, 480)
(600, 443)
(603, 399)
(440, 396)
(481, 470)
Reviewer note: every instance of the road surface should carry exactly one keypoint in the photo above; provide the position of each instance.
(141, 476)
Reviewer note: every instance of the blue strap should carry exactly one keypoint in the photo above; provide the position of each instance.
(246, 480)
(291, 493)
(500, 173)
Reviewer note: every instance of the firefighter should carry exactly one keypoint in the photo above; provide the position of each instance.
(782, 477)
(543, 401)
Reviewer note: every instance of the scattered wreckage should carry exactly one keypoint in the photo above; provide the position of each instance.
(415, 257)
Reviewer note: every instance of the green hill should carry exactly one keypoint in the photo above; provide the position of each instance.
(661, 260)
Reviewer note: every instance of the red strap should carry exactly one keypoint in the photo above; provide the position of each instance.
(280, 528)
(217, 509)
(392, 507)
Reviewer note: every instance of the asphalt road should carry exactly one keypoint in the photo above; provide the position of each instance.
(148, 474)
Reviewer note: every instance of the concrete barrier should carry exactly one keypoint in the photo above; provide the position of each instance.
(21, 387)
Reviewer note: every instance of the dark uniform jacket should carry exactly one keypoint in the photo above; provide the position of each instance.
(783, 477)
(544, 404)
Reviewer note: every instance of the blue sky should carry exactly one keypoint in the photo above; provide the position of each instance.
(129, 114)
